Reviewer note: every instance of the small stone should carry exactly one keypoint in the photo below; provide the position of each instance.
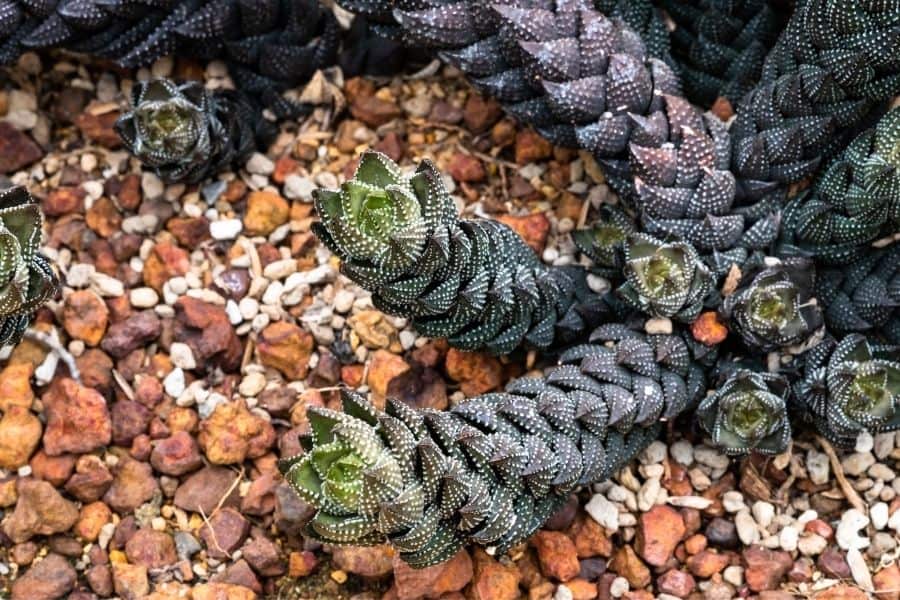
(603, 511)
(842, 592)
(287, 348)
(818, 467)
(91, 520)
(298, 187)
(265, 212)
(707, 563)
(225, 229)
(763, 512)
(369, 561)
(677, 583)
(51, 578)
(40, 510)
(20, 434)
(879, 515)
(747, 529)
(658, 326)
(476, 372)
(833, 564)
(659, 531)
(557, 555)
(492, 580)
(708, 329)
(533, 228)
(186, 545)
(224, 533)
(260, 164)
(887, 583)
(722, 533)
(123, 337)
(847, 533)
(17, 149)
(90, 480)
(812, 544)
(77, 419)
(765, 568)
(85, 316)
(232, 434)
(466, 168)
(202, 491)
(176, 455)
(627, 564)
(133, 485)
(130, 581)
(143, 297)
(857, 463)
(264, 557)
(152, 549)
(222, 591)
(789, 538)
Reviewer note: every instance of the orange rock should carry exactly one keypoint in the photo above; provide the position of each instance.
(476, 372)
(64, 200)
(232, 434)
(383, 368)
(53, 469)
(590, 538)
(352, 375)
(887, 583)
(557, 555)
(365, 105)
(265, 212)
(77, 419)
(85, 316)
(531, 147)
(301, 564)
(481, 112)
(130, 581)
(533, 229)
(659, 531)
(15, 386)
(367, 561)
(164, 262)
(466, 168)
(722, 108)
(222, 591)
(696, 543)
(627, 564)
(765, 568)
(92, 518)
(287, 348)
(841, 591)
(97, 122)
(492, 580)
(708, 330)
(103, 217)
(582, 589)
(707, 563)
(40, 510)
(374, 330)
(20, 433)
(8, 493)
(284, 166)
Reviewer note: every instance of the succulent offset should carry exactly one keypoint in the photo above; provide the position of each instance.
(493, 469)
(474, 282)
(26, 279)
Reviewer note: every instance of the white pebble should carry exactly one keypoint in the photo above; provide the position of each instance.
(563, 593)
(653, 454)
(618, 587)
(733, 501)
(182, 356)
(683, 452)
(143, 297)
(788, 538)
(174, 383)
(857, 463)
(658, 326)
(260, 164)
(280, 269)
(818, 467)
(879, 515)
(711, 457)
(226, 229)
(812, 544)
(233, 312)
(864, 442)
(297, 187)
(252, 384)
(698, 502)
(859, 569)
(847, 533)
(152, 186)
(605, 512)
(763, 512)
(249, 308)
(646, 496)
(746, 527)
(734, 575)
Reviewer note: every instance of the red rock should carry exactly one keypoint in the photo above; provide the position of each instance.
(842, 591)
(165, 262)
(232, 434)
(152, 549)
(130, 581)
(590, 538)
(23, 554)
(707, 563)
(103, 217)
(96, 370)
(265, 212)
(384, 367)
(301, 564)
(627, 564)
(284, 166)
(492, 580)
(476, 372)
(129, 420)
(392, 145)
(133, 485)
(372, 110)
(17, 149)
(55, 470)
(265, 558)
(557, 555)
(480, 113)
(51, 578)
(534, 229)
(206, 329)
(224, 533)
(176, 455)
(85, 316)
(64, 200)
(696, 543)
(819, 527)
(287, 348)
(887, 583)
(765, 568)
(96, 124)
(366, 561)
(677, 583)
(40, 510)
(129, 194)
(99, 577)
(222, 591)
(466, 168)
(801, 571)
(90, 480)
(833, 563)
(202, 491)
(92, 518)
(708, 329)
(434, 581)
(124, 337)
(15, 385)
(420, 387)
(239, 574)
(260, 497)
(77, 419)
(20, 433)
(659, 531)
(531, 147)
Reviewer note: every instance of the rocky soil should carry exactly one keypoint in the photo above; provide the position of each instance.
(205, 320)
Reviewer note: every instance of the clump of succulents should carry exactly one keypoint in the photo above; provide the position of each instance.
(748, 412)
(185, 132)
(773, 307)
(604, 241)
(26, 279)
(492, 469)
(664, 280)
(474, 282)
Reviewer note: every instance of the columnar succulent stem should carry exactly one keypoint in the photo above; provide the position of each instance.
(493, 469)
(475, 282)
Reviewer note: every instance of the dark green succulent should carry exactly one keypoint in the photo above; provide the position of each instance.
(849, 387)
(492, 469)
(773, 307)
(664, 280)
(185, 132)
(604, 241)
(26, 279)
(475, 282)
(748, 412)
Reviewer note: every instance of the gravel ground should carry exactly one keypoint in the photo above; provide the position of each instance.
(204, 320)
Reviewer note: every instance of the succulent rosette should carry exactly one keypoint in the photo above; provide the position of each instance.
(851, 386)
(604, 241)
(664, 279)
(26, 279)
(748, 413)
(773, 308)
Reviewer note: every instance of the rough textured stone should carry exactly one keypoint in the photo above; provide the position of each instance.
(557, 555)
(40, 510)
(202, 491)
(658, 533)
(20, 433)
(150, 548)
(77, 419)
(224, 532)
(85, 316)
(133, 485)
(432, 582)
(51, 578)
(176, 455)
(232, 434)
(287, 348)
(368, 561)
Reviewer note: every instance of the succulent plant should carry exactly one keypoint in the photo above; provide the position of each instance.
(720, 45)
(604, 241)
(863, 297)
(855, 201)
(185, 132)
(664, 280)
(747, 412)
(849, 387)
(26, 279)
(773, 306)
(474, 282)
(493, 469)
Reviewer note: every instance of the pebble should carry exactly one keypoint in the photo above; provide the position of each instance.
(653, 454)
(618, 587)
(297, 187)
(746, 527)
(343, 301)
(882, 472)
(260, 164)
(225, 229)
(152, 186)
(864, 442)
(733, 501)
(658, 326)
(812, 544)
(818, 467)
(143, 297)
(683, 452)
(763, 512)
(563, 593)
(174, 383)
(859, 569)
(857, 463)
(646, 496)
(879, 515)
(182, 356)
(252, 384)
(603, 511)
(711, 457)
(788, 538)
(734, 575)
(280, 269)
(697, 502)
(847, 533)
(249, 308)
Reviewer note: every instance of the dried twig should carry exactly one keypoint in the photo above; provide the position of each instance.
(851, 494)
(51, 343)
